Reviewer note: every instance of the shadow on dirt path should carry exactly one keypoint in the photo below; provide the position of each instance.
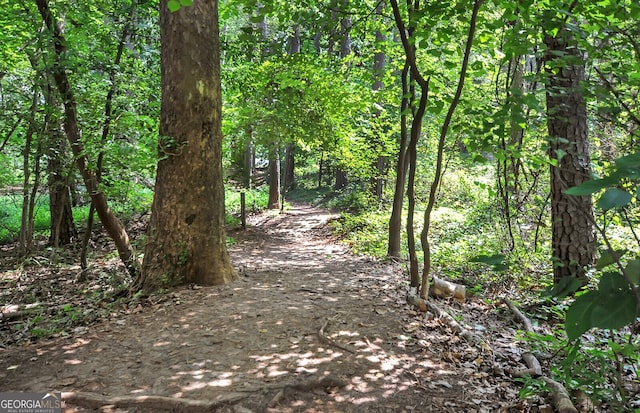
(308, 327)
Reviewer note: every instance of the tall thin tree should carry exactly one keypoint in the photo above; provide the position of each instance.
(111, 223)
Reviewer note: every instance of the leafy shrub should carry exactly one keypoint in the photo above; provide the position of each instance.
(256, 199)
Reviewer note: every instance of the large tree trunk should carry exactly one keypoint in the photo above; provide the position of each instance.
(187, 242)
(112, 225)
(573, 235)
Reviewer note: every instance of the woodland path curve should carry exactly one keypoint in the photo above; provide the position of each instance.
(308, 327)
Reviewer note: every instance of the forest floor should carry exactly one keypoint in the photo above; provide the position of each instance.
(307, 327)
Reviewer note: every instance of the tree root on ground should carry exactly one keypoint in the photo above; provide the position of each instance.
(156, 403)
(559, 394)
(464, 332)
(163, 403)
(325, 339)
(323, 383)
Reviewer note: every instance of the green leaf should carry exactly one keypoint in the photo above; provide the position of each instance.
(186, 3)
(629, 165)
(564, 287)
(614, 198)
(495, 261)
(436, 108)
(633, 271)
(614, 311)
(608, 258)
(578, 319)
(612, 283)
(591, 186)
(628, 161)
(173, 5)
(488, 259)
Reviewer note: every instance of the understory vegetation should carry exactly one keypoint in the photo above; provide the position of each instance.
(505, 135)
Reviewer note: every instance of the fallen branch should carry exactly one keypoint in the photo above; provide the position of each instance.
(20, 311)
(559, 394)
(325, 339)
(159, 403)
(462, 331)
(443, 289)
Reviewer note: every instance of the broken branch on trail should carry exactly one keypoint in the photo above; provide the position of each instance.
(443, 289)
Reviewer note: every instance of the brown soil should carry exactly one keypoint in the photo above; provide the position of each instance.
(308, 327)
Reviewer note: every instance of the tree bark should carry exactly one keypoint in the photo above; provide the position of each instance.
(112, 225)
(573, 235)
(395, 221)
(412, 159)
(187, 242)
(295, 44)
(274, 176)
(437, 175)
(289, 166)
(62, 228)
(249, 158)
(406, 33)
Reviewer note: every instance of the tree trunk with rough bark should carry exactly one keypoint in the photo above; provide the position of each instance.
(573, 235)
(187, 242)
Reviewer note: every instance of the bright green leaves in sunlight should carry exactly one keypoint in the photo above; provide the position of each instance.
(611, 306)
(563, 288)
(175, 5)
(618, 185)
(496, 261)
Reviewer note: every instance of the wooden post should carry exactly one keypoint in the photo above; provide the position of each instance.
(243, 210)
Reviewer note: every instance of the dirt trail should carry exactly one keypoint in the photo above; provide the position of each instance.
(308, 327)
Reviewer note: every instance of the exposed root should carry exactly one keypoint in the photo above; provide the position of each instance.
(451, 322)
(325, 339)
(323, 383)
(155, 403)
(559, 394)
